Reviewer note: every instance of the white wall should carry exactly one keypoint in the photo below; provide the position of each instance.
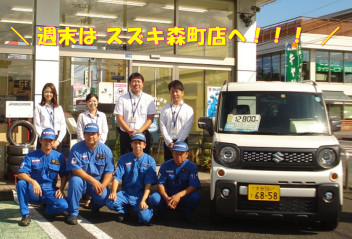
(246, 54)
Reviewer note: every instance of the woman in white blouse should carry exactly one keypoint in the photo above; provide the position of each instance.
(49, 114)
(92, 115)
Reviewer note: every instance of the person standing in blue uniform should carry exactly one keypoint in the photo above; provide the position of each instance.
(38, 177)
(137, 171)
(92, 166)
(177, 184)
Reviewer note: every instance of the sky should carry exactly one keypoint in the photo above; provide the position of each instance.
(282, 10)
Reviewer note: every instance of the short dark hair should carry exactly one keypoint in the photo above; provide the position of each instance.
(134, 76)
(91, 95)
(176, 84)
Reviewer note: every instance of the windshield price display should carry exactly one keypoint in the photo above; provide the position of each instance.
(263, 192)
(242, 123)
(246, 118)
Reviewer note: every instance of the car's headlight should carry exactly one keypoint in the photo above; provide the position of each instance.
(327, 158)
(227, 154)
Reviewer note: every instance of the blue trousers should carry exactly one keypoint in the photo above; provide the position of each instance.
(187, 203)
(124, 200)
(26, 195)
(77, 186)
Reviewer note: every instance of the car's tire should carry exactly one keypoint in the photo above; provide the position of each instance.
(19, 150)
(12, 168)
(330, 224)
(25, 124)
(15, 160)
(215, 218)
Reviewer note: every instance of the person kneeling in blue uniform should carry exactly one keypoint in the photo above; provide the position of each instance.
(92, 166)
(137, 171)
(177, 184)
(38, 177)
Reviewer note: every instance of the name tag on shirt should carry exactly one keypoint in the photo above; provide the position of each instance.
(173, 131)
(184, 170)
(133, 120)
(54, 161)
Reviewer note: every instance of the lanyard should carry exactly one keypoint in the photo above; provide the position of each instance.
(174, 118)
(91, 118)
(135, 109)
(51, 117)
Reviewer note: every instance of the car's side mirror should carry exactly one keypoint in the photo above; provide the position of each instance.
(335, 124)
(206, 123)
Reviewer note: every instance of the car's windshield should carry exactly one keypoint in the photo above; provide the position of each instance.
(274, 113)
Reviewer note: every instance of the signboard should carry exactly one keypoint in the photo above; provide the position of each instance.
(212, 100)
(294, 62)
(119, 89)
(19, 109)
(106, 92)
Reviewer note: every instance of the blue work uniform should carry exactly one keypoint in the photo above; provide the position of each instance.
(135, 174)
(44, 169)
(96, 163)
(176, 179)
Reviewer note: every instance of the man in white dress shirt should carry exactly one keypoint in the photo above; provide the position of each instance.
(135, 112)
(176, 118)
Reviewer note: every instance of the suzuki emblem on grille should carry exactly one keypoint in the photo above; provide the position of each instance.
(278, 157)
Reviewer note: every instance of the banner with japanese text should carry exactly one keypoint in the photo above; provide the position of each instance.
(294, 62)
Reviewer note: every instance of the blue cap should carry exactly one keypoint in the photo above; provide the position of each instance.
(180, 146)
(48, 134)
(138, 136)
(91, 128)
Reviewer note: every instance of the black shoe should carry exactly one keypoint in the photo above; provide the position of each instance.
(72, 220)
(26, 220)
(53, 216)
(121, 217)
(189, 219)
(64, 213)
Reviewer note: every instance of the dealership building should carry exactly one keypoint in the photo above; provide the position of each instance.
(206, 49)
(329, 64)
(85, 46)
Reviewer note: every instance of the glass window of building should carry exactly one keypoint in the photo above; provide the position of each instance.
(305, 66)
(322, 66)
(347, 111)
(79, 76)
(16, 77)
(348, 68)
(282, 66)
(131, 17)
(205, 16)
(336, 66)
(267, 68)
(156, 80)
(275, 67)
(259, 68)
(17, 14)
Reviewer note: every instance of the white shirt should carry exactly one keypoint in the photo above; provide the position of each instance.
(47, 116)
(142, 105)
(182, 115)
(99, 119)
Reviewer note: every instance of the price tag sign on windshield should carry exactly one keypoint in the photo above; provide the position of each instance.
(242, 123)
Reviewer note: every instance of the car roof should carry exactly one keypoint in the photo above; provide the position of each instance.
(271, 86)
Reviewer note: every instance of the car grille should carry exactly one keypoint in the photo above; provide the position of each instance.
(285, 205)
(277, 159)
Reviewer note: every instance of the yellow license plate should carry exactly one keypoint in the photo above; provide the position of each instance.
(260, 192)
